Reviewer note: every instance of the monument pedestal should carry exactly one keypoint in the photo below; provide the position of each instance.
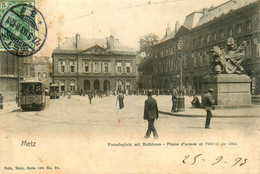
(230, 90)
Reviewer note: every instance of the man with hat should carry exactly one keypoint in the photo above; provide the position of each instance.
(90, 96)
(150, 114)
(175, 96)
(1, 101)
(207, 105)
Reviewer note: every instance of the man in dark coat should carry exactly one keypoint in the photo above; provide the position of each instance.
(175, 95)
(1, 101)
(120, 98)
(207, 105)
(150, 114)
(90, 96)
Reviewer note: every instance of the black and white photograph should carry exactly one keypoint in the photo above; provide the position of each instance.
(130, 86)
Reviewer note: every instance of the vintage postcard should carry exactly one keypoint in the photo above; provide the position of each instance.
(130, 86)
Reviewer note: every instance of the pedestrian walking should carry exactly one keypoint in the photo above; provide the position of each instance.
(69, 95)
(207, 105)
(90, 96)
(16, 98)
(120, 99)
(150, 114)
(175, 96)
(1, 101)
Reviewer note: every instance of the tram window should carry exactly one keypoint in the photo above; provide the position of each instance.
(31, 88)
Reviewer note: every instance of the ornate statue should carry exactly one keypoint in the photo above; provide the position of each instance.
(228, 61)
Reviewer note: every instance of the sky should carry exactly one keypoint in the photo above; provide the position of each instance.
(127, 20)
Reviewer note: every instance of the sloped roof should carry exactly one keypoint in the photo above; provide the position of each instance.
(85, 43)
(224, 9)
(118, 46)
(192, 19)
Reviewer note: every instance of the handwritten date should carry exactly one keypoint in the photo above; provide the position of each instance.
(191, 160)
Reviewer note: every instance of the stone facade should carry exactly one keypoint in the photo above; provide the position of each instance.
(82, 64)
(9, 65)
(42, 69)
(230, 90)
(201, 31)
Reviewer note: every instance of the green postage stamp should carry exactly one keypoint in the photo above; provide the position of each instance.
(23, 29)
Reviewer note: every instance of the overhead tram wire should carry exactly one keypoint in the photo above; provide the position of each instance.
(149, 3)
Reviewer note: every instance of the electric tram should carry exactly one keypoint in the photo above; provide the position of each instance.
(54, 91)
(32, 95)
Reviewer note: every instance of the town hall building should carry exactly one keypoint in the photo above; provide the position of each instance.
(82, 64)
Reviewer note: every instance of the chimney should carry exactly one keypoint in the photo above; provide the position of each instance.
(77, 40)
(168, 30)
(111, 42)
(205, 12)
(59, 42)
(177, 26)
(107, 44)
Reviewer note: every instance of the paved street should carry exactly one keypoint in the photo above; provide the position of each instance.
(76, 131)
(103, 117)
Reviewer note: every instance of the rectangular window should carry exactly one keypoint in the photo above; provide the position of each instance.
(128, 67)
(258, 50)
(86, 67)
(230, 32)
(61, 67)
(72, 67)
(222, 34)
(72, 88)
(239, 29)
(248, 50)
(119, 70)
(215, 36)
(96, 67)
(119, 67)
(248, 26)
(201, 40)
(62, 88)
(105, 64)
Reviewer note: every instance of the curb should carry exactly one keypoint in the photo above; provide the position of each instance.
(203, 116)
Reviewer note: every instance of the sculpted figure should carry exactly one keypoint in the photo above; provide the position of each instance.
(228, 61)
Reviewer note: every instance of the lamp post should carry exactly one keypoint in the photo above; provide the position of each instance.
(181, 99)
(19, 76)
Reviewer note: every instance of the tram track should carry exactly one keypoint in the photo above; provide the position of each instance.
(66, 122)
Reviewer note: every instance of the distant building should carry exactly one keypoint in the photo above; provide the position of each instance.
(9, 65)
(82, 64)
(239, 19)
(42, 69)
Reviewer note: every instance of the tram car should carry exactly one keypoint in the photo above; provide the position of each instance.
(54, 91)
(32, 95)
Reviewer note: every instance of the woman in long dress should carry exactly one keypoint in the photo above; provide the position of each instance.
(120, 98)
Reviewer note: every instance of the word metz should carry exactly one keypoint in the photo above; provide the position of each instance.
(28, 144)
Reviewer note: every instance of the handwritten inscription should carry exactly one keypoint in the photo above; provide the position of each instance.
(192, 160)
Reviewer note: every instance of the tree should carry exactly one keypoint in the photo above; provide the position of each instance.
(146, 44)
(146, 66)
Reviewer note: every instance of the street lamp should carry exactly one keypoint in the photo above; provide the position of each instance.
(181, 99)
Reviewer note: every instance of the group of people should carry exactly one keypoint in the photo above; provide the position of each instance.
(151, 109)
(1, 101)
